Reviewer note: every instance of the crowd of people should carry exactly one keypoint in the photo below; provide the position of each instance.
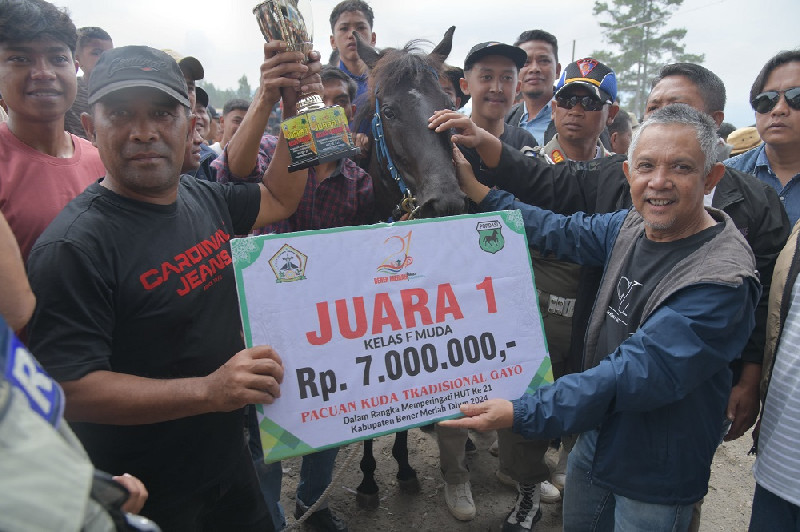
(663, 249)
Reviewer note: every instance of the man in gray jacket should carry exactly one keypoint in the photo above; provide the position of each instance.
(675, 306)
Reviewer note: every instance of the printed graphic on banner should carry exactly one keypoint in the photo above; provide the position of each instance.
(413, 320)
(399, 258)
(288, 264)
(490, 236)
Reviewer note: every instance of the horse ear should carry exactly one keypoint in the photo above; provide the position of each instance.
(367, 53)
(443, 49)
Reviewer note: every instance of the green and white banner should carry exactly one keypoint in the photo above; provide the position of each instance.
(389, 326)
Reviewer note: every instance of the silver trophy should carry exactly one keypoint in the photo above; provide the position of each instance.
(317, 134)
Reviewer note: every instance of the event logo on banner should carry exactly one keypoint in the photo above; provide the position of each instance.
(389, 326)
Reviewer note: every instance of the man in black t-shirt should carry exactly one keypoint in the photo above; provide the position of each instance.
(137, 316)
(491, 79)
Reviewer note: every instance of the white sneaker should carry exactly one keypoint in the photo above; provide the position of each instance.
(459, 501)
(549, 493)
(559, 476)
(558, 480)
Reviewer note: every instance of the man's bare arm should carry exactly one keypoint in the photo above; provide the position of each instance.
(281, 191)
(252, 376)
(280, 69)
(16, 297)
(744, 403)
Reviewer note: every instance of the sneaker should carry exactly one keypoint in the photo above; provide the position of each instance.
(505, 479)
(459, 501)
(526, 512)
(559, 475)
(549, 493)
(322, 520)
(558, 480)
(469, 447)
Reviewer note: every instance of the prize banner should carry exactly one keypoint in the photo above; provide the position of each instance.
(390, 326)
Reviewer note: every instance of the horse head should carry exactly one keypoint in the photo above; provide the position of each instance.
(403, 93)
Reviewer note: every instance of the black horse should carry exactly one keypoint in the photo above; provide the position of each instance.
(412, 171)
(493, 238)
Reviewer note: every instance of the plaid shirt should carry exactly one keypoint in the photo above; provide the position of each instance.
(344, 198)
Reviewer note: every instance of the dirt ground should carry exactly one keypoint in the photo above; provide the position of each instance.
(726, 507)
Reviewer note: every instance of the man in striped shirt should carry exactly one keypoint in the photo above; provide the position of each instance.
(776, 503)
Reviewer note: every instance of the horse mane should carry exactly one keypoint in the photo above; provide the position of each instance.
(394, 66)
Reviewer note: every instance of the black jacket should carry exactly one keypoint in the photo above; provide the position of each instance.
(564, 188)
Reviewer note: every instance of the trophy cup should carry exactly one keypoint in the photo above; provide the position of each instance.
(317, 134)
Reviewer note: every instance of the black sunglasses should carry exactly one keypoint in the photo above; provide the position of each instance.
(589, 103)
(766, 101)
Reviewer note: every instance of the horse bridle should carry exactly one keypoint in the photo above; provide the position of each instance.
(408, 204)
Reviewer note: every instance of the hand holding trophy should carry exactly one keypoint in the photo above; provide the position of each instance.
(317, 134)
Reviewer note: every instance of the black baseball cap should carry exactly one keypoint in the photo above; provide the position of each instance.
(190, 66)
(127, 67)
(201, 95)
(479, 51)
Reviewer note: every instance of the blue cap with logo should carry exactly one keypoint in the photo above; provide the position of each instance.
(592, 74)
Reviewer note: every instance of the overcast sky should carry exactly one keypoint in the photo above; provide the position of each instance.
(737, 36)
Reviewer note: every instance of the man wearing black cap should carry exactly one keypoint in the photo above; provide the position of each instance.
(192, 70)
(138, 318)
(214, 128)
(491, 79)
(203, 170)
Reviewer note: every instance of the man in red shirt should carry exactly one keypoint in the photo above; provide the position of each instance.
(42, 167)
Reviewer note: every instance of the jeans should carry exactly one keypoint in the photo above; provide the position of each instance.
(773, 513)
(588, 507)
(315, 474)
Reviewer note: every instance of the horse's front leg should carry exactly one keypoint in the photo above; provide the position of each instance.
(406, 476)
(367, 491)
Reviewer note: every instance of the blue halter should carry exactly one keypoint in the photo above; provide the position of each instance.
(382, 149)
(409, 203)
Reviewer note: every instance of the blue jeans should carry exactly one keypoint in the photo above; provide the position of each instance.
(315, 474)
(773, 513)
(588, 507)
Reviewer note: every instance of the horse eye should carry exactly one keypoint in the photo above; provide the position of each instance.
(387, 112)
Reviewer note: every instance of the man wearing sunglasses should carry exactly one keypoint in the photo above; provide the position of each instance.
(775, 97)
(582, 108)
